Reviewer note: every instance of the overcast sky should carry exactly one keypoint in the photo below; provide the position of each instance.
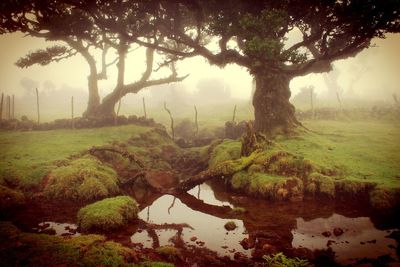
(374, 73)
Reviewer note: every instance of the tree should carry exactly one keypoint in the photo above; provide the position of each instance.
(254, 34)
(83, 27)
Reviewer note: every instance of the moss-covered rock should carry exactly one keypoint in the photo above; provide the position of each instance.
(383, 199)
(82, 179)
(10, 198)
(108, 214)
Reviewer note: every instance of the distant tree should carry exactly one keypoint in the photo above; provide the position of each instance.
(254, 34)
(83, 27)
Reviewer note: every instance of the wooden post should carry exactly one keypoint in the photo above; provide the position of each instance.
(144, 108)
(172, 120)
(9, 107)
(1, 106)
(13, 102)
(340, 101)
(312, 102)
(72, 113)
(37, 104)
(234, 114)
(117, 113)
(195, 120)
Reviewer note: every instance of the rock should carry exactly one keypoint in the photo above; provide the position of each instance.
(326, 234)
(338, 231)
(247, 243)
(193, 238)
(230, 226)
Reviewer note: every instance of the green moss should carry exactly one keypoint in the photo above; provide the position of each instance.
(10, 197)
(325, 184)
(238, 210)
(45, 250)
(85, 178)
(383, 199)
(108, 214)
(169, 252)
(227, 150)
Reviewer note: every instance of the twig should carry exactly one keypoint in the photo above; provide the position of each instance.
(195, 121)
(234, 114)
(172, 120)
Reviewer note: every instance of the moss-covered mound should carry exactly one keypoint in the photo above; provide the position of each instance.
(276, 174)
(82, 179)
(10, 198)
(108, 214)
(25, 249)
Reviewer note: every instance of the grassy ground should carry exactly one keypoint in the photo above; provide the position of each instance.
(367, 151)
(29, 155)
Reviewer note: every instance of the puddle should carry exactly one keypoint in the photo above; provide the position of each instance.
(59, 229)
(207, 230)
(360, 238)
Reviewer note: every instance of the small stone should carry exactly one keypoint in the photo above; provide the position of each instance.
(193, 238)
(326, 234)
(338, 231)
(247, 243)
(230, 226)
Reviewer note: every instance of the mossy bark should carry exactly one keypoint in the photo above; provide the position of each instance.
(272, 110)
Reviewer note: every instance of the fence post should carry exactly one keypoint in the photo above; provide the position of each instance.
(37, 104)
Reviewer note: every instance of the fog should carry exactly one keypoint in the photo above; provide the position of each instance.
(370, 78)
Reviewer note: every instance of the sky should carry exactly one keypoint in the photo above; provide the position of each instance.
(372, 74)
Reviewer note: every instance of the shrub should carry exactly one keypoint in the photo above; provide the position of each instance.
(108, 214)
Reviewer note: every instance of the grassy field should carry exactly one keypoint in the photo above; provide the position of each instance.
(366, 151)
(29, 155)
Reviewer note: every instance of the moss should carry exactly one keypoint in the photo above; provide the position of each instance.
(108, 214)
(230, 226)
(383, 199)
(44, 250)
(84, 178)
(240, 180)
(227, 150)
(325, 184)
(10, 197)
(169, 252)
(238, 210)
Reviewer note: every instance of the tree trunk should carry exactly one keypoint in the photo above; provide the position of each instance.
(272, 110)
(94, 97)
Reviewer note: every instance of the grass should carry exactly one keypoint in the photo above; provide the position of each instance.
(29, 155)
(108, 214)
(363, 151)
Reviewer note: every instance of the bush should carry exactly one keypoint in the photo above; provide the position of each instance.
(108, 214)
(83, 179)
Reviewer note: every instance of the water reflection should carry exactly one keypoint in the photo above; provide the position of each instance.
(354, 238)
(207, 230)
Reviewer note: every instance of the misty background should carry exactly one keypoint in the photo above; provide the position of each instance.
(369, 79)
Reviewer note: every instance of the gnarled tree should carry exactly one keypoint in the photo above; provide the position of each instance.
(83, 28)
(261, 36)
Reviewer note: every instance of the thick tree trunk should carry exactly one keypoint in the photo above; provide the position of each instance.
(272, 110)
(94, 97)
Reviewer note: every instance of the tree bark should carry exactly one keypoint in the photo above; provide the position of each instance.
(272, 110)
